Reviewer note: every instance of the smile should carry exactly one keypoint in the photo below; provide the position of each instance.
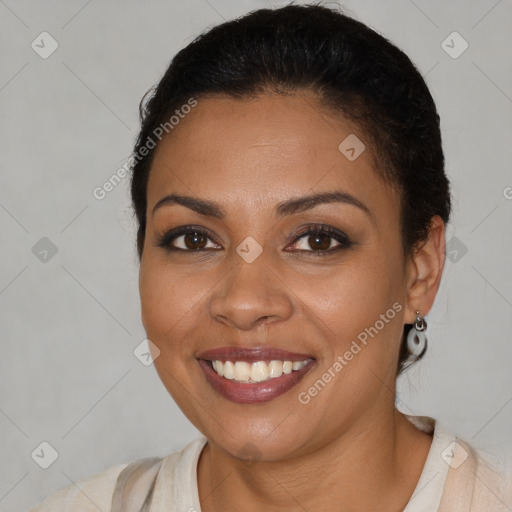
(260, 371)
(252, 375)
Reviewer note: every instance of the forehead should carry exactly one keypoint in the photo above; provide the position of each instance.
(264, 150)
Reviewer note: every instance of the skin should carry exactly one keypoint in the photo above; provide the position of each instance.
(349, 448)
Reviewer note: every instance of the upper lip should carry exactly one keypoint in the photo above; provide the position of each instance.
(252, 354)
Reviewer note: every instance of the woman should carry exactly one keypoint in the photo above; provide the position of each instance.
(291, 199)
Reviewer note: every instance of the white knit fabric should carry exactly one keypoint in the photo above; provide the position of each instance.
(473, 486)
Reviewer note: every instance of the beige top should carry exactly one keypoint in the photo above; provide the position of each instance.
(455, 478)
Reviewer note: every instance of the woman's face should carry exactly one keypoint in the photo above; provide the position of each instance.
(245, 281)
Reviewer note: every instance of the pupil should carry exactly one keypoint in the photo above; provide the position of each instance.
(323, 246)
(192, 239)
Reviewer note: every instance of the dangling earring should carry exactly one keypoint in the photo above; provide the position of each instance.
(417, 338)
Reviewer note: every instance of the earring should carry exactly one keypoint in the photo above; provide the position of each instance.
(417, 338)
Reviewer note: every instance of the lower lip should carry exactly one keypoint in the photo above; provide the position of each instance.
(255, 392)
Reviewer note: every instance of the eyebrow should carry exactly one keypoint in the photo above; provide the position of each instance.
(288, 207)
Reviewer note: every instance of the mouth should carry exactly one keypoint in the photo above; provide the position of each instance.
(251, 375)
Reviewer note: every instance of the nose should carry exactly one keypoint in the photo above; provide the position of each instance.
(250, 295)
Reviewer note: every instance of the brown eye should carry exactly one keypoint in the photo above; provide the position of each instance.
(195, 240)
(187, 239)
(318, 240)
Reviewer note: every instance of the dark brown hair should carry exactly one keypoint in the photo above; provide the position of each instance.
(356, 73)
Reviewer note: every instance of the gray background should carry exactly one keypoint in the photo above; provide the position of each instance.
(69, 324)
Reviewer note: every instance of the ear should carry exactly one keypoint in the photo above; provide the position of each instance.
(424, 271)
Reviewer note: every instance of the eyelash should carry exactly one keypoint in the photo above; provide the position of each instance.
(165, 240)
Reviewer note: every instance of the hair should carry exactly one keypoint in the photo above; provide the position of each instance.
(356, 73)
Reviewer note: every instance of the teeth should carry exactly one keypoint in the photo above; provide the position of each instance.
(242, 371)
(256, 372)
(228, 369)
(259, 371)
(275, 368)
(218, 367)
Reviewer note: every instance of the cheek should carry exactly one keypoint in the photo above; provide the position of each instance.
(163, 299)
(172, 303)
(354, 303)
(164, 306)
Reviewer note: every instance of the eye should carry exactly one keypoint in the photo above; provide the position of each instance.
(187, 239)
(319, 238)
(195, 239)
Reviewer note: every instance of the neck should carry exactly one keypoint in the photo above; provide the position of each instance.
(375, 465)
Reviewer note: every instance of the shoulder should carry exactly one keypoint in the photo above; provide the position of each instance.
(95, 492)
(459, 476)
(492, 484)
(478, 479)
(89, 494)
